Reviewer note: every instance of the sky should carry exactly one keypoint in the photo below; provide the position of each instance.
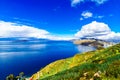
(60, 19)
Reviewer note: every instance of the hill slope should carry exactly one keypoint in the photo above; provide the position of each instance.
(101, 64)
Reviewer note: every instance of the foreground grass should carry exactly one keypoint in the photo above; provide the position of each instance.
(101, 64)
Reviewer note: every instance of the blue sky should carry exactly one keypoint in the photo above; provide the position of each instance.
(61, 17)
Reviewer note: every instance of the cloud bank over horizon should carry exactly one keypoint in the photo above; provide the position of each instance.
(98, 30)
(11, 30)
(76, 2)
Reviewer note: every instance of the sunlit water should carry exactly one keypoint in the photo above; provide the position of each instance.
(30, 56)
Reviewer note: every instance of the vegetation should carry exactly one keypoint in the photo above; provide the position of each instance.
(12, 77)
(103, 64)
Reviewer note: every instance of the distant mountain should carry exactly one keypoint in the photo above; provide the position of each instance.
(97, 43)
(22, 39)
(115, 40)
(7, 39)
(101, 64)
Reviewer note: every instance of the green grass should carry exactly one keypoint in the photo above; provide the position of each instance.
(105, 61)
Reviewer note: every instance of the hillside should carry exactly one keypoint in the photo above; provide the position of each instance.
(101, 64)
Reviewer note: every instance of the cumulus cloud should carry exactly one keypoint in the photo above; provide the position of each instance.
(97, 30)
(10, 29)
(86, 14)
(75, 2)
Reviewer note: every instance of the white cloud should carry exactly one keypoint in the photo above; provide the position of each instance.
(81, 19)
(99, 1)
(86, 14)
(59, 37)
(75, 2)
(100, 17)
(10, 29)
(97, 30)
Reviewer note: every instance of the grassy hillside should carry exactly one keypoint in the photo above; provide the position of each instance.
(101, 64)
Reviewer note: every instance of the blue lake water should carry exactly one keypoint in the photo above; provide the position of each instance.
(30, 56)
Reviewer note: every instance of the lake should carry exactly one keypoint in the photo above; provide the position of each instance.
(30, 56)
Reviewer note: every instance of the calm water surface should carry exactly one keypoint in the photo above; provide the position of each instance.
(30, 56)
